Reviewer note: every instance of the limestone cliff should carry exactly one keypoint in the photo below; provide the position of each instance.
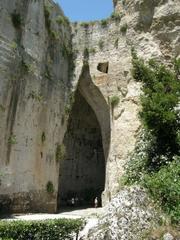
(35, 82)
(43, 61)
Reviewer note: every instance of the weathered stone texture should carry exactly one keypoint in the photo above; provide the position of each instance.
(36, 84)
(129, 216)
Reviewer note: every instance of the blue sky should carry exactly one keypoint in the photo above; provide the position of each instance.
(86, 10)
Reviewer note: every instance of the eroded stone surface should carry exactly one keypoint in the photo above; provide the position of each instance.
(37, 79)
(129, 216)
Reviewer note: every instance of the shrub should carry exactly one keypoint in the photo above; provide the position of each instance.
(36, 96)
(116, 16)
(60, 20)
(114, 100)
(12, 139)
(85, 24)
(24, 66)
(35, 230)
(16, 19)
(123, 28)
(160, 114)
(13, 45)
(165, 186)
(54, 35)
(66, 20)
(49, 187)
(92, 51)
(101, 44)
(154, 162)
(104, 22)
(2, 108)
(47, 17)
(60, 152)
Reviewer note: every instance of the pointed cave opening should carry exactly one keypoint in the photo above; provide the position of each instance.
(82, 171)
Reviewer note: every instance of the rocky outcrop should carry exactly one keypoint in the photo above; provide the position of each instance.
(44, 60)
(129, 216)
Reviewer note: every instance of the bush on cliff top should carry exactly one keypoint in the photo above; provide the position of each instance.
(60, 229)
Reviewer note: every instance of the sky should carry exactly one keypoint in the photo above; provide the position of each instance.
(86, 10)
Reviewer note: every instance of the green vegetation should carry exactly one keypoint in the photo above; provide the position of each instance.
(16, 20)
(36, 96)
(60, 152)
(114, 100)
(67, 51)
(155, 162)
(52, 33)
(35, 230)
(24, 66)
(123, 28)
(160, 112)
(71, 100)
(13, 45)
(85, 24)
(49, 187)
(164, 185)
(66, 20)
(12, 139)
(47, 18)
(104, 22)
(101, 45)
(62, 20)
(2, 108)
(116, 16)
(92, 51)
(27, 67)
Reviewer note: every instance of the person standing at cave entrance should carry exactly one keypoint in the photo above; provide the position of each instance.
(72, 202)
(96, 202)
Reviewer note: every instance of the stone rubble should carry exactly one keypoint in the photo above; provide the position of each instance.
(129, 216)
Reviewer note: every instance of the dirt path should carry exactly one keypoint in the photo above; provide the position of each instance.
(64, 213)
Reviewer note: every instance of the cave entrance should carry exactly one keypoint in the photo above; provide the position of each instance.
(82, 171)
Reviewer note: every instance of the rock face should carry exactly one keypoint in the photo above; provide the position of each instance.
(34, 86)
(44, 60)
(129, 216)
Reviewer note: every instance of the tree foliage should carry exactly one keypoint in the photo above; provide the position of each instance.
(155, 162)
(160, 112)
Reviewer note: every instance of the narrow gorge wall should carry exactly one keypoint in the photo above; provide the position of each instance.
(43, 61)
(35, 82)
